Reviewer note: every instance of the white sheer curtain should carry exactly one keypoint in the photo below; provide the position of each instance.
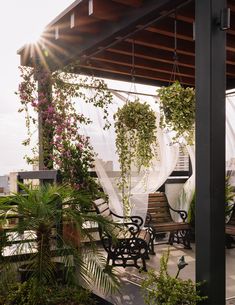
(186, 195)
(107, 165)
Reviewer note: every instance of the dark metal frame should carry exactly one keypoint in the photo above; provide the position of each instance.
(210, 148)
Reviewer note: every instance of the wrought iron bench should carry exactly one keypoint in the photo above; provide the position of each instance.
(131, 243)
(161, 220)
(230, 228)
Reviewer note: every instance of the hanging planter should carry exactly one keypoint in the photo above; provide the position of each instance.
(135, 127)
(177, 106)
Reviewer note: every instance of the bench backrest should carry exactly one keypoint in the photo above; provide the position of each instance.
(158, 208)
(102, 208)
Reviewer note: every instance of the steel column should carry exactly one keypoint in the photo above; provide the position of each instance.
(210, 150)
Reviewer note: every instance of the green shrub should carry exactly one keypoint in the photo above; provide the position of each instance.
(163, 289)
(29, 293)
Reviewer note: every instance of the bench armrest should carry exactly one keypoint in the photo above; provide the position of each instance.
(132, 223)
(148, 220)
(183, 214)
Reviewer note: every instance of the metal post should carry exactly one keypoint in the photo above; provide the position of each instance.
(210, 150)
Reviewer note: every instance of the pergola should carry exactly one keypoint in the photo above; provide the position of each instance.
(119, 39)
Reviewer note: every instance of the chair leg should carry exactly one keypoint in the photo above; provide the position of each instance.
(144, 264)
(186, 239)
(151, 247)
(171, 238)
(108, 260)
(229, 241)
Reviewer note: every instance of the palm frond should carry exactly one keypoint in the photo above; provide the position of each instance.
(94, 270)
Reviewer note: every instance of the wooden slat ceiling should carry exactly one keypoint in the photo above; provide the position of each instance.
(120, 39)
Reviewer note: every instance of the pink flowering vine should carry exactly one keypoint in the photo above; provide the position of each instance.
(64, 146)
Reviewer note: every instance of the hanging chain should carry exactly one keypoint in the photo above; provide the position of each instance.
(133, 61)
(133, 85)
(175, 68)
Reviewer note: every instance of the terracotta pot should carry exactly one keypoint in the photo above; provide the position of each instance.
(71, 234)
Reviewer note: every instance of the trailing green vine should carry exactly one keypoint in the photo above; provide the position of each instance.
(135, 127)
(177, 106)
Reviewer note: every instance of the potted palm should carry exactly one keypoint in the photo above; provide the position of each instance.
(52, 260)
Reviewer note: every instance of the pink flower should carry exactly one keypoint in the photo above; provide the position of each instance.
(79, 146)
(50, 110)
(34, 103)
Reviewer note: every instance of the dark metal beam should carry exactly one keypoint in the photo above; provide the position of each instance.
(139, 73)
(124, 60)
(151, 54)
(134, 3)
(210, 150)
(139, 15)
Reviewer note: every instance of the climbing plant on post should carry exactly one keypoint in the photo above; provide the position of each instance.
(45, 135)
(51, 105)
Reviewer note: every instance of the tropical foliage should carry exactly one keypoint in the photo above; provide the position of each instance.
(228, 201)
(229, 194)
(135, 127)
(41, 213)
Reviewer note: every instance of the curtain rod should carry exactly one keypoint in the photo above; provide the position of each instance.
(230, 93)
(133, 92)
(124, 91)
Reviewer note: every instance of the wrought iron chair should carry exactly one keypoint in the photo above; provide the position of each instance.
(131, 244)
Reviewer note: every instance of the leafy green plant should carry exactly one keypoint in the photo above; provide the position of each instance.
(41, 211)
(191, 211)
(29, 293)
(229, 196)
(135, 127)
(177, 105)
(163, 289)
(229, 201)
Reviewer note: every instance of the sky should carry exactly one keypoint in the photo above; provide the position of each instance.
(21, 21)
